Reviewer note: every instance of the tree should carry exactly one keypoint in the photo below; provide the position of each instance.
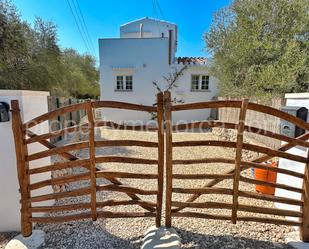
(260, 47)
(31, 59)
(81, 81)
(14, 48)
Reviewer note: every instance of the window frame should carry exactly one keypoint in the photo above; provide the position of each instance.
(127, 80)
(200, 83)
(206, 82)
(119, 82)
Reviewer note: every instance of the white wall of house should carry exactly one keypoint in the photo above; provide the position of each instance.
(301, 100)
(147, 60)
(31, 104)
(132, 57)
(183, 92)
(151, 28)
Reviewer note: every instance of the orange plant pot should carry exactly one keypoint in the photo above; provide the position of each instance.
(266, 176)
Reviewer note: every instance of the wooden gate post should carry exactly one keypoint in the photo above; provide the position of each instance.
(93, 181)
(22, 168)
(239, 144)
(304, 229)
(160, 120)
(169, 157)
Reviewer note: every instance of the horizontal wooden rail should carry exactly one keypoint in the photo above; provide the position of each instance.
(270, 220)
(287, 146)
(204, 160)
(60, 180)
(273, 169)
(209, 104)
(244, 208)
(215, 143)
(280, 114)
(262, 132)
(266, 197)
(125, 214)
(237, 104)
(123, 105)
(210, 205)
(108, 174)
(81, 216)
(225, 217)
(69, 207)
(250, 129)
(125, 126)
(204, 124)
(272, 211)
(201, 215)
(117, 159)
(224, 191)
(245, 165)
(62, 218)
(107, 143)
(246, 146)
(109, 203)
(112, 203)
(270, 184)
(59, 166)
(57, 150)
(203, 176)
(274, 153)
(57, 133)
(49, 145)
(125, 189)
(73, 193)
(53, 114)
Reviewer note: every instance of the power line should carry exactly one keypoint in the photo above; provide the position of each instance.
(79, 29)
(83, 24)
(81, 13)
(159, 8)
(155, 13)
(80, 22)
(154, 7)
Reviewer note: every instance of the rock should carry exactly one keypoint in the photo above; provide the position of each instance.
(299, 245)
(161, 238)
(34, 241)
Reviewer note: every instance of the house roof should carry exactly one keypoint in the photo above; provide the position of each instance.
(147, 18)
(192, 60)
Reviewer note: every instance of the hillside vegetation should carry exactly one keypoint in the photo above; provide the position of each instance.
(31, 58)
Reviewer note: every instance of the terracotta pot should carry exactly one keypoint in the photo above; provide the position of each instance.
(266, 176)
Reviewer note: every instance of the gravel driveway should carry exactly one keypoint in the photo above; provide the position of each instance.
(195, 233)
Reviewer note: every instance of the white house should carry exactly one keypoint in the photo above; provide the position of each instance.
(146, 53)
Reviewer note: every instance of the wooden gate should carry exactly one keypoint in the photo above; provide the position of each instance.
(24, 136)
(175, 208)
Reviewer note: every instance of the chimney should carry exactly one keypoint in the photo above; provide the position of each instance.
(141, 30)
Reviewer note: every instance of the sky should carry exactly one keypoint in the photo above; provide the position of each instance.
(103, 18)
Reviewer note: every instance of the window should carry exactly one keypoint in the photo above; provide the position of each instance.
(205, 82)
(124, 83)
(119, 84)
(129, 82)
(199, 83)
(195, 82)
